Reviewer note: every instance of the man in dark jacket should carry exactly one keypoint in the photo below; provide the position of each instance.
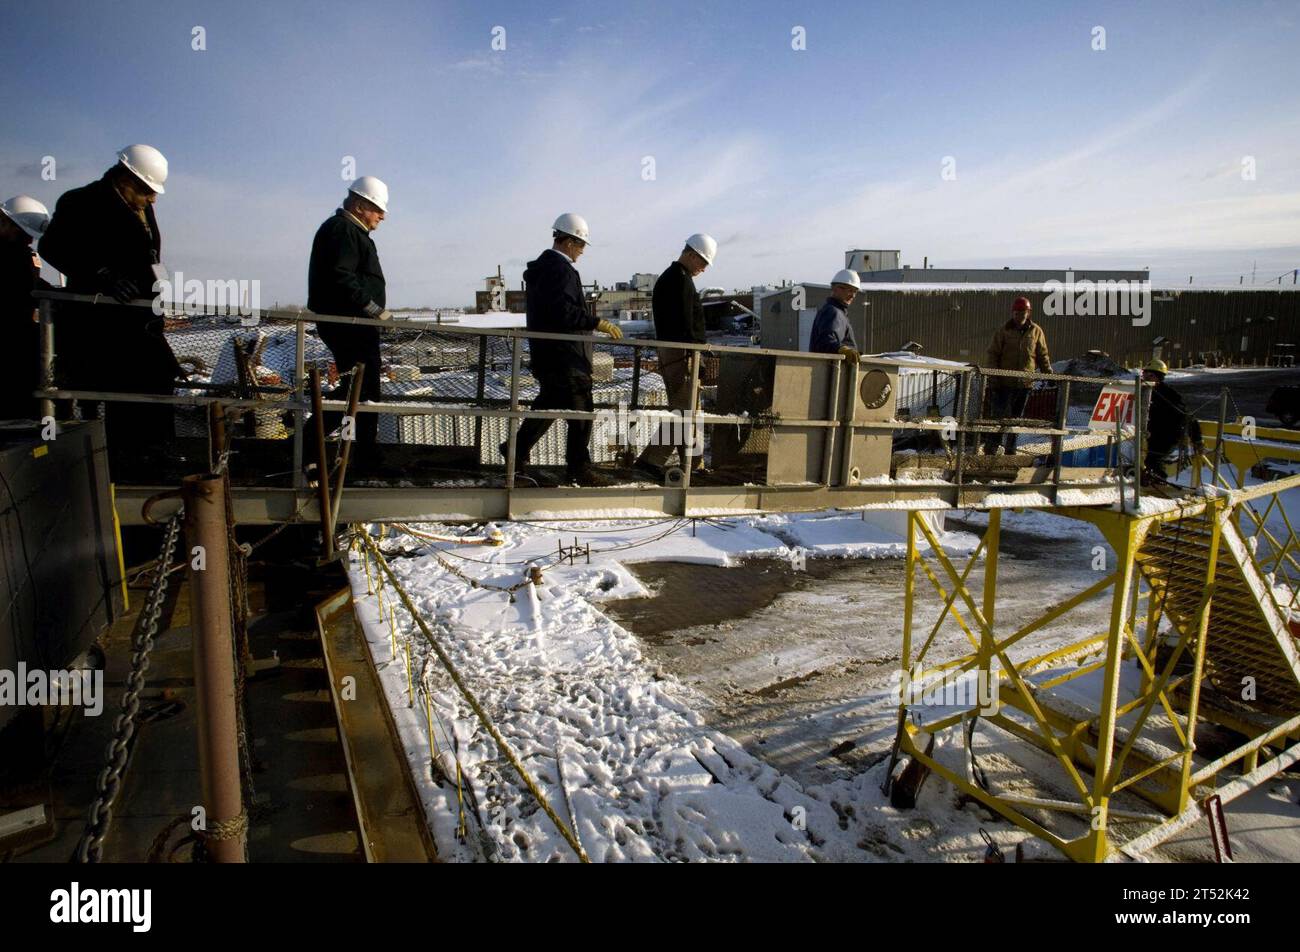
(554, 304)
(104, 238)
(831, 332)
(678, 316)
(1169, 425)
(22, 219)
(1020, 344)
(344, 278)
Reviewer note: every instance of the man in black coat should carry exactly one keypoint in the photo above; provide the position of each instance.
(554, 303)
(344, 278)
(1169, 425)
(104, 238)
(678, 316)
(22, 219)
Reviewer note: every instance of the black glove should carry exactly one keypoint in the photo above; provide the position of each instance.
(121, 289)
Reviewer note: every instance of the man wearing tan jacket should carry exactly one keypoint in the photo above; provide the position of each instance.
(1019, 344)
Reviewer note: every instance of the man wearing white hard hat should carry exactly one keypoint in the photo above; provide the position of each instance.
(554, 303)
(344, 278)
(104, 237)
(678, 316)
(22, 219)
(831, 331)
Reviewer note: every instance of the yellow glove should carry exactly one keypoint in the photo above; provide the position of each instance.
(605, 327)
(849, 354)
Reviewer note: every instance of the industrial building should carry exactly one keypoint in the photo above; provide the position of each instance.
(1239, 326)
(1007, 275)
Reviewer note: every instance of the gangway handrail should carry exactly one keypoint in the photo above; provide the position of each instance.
(303, 316)
(969, 419)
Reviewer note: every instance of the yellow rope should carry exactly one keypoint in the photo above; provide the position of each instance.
(473, 702)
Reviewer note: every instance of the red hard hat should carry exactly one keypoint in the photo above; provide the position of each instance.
(1021, 304)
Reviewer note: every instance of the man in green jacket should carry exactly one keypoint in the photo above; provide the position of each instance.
(1019, 344)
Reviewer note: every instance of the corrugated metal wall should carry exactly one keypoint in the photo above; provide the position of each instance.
(957, 324)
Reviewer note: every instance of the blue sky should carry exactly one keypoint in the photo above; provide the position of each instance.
(1064, 156)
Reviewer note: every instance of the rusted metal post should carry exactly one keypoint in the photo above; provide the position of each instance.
(322, 468)
(208, 539)
(46, 377)
(354, 397)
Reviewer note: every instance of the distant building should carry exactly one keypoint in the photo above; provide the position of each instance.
(614, 303)
(863, 260)
(884, 267)
(956, 320)
(995, 275)
(512, 301)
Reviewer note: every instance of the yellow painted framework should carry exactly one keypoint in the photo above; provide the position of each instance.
(1098, 759)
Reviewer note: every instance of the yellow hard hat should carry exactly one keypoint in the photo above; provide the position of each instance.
(1158, 365)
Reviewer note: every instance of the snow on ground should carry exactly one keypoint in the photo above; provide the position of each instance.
(604, 733)
(653, 747)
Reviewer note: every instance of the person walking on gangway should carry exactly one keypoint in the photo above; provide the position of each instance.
(554, 303)
(344, 278)
(678, 316)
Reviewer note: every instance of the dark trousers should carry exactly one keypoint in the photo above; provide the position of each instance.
(560, 391)
(351, 346)
(675, 369)
(1005, 403)
(114, 352)
(16, 400)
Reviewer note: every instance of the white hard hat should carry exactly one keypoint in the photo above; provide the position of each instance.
(572, 225)
(372, 190)
(147, 163)
(847, 276)
(704, 246)
(27, 213)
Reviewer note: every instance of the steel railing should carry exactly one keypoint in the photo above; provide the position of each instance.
(480, 384)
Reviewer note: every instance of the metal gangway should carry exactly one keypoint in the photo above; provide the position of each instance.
(781, 430)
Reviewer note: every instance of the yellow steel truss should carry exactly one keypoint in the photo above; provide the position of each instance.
(1170, 566)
